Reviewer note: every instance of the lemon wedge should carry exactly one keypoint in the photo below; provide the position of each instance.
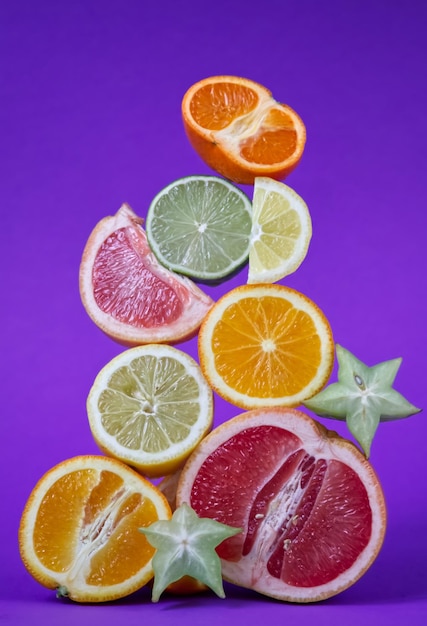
(281, 231)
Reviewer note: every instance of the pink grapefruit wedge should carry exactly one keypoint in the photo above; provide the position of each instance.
(128, 294)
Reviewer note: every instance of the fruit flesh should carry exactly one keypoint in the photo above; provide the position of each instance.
(142, 298)
(269, 353)
(307, 517)
(274, 142)
(100, 549)
(215, 106)
(264, 133)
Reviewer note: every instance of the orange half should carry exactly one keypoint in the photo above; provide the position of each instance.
(79, 529)
(240, 130)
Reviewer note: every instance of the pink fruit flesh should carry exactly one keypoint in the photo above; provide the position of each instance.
(321, 513)
(126, 286)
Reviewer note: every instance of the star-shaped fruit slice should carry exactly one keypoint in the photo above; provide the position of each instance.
(185, 545)
(363, 397)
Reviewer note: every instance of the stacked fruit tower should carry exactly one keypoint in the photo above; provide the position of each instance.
(269, 500)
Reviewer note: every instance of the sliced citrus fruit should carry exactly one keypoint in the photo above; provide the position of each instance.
(79, 529)
(281, 231)
(266, 345)
(200, 226)
(310, 504)
(128, 293)
(149, 407)
(187, 586)
(240, 130)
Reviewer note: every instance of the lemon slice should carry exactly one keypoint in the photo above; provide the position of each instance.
(200, 226)
(150, 406)
(281, 231)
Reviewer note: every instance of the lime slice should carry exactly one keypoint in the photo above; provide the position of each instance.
(281, 231)
(150, 407)
(200, 226)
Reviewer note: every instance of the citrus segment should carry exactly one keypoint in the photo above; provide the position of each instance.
(128, 294)
(149, 407)
(200, 226)
(310, 504)
(281, 231)
(187, 586)
(240, 130)
(266, 345)
(79, 529)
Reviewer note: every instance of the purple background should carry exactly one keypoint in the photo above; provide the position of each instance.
(90, 117)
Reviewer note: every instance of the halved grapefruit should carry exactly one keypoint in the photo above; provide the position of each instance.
(128, 294)
(310, 504)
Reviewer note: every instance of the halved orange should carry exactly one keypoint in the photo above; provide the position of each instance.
(266, 345)
(128, 293)
(310, 505)
(240, 130)
(79, 529)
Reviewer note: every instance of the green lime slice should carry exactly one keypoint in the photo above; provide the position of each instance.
(200, 226)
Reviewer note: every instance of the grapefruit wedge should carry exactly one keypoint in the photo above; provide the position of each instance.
(128, 294)
(310, 504)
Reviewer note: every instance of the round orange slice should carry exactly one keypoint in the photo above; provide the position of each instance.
(240, 130)
(128, 293)
(310, 506)
(79, 529)
(266, 345)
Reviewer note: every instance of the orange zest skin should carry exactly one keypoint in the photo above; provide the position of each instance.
(238, 128)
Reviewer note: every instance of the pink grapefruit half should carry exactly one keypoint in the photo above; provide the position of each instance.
(310, 504)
